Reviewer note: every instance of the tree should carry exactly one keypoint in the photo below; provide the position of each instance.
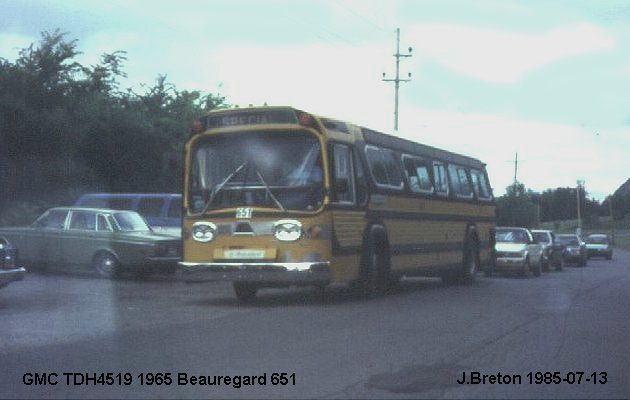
(561, 204)
(515, 207)
(66, 128)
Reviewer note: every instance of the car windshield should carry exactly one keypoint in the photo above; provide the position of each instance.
(541, 237)
(266, 169)
(130, 222)
(569, 240)
(511, 236)
(597, 239)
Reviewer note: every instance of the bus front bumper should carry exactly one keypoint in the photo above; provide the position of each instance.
(307, 273)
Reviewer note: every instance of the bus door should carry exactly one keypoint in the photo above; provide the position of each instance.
(348, 191)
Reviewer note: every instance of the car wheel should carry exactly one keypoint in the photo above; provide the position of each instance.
(538, 268)
(526, 269)
(546, 264)
(559, 266)
(245, 292)
(107, 265)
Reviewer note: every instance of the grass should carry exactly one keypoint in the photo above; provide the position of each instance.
(622, 239)
(619, 230)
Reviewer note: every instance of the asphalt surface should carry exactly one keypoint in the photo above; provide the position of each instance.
(417, 343)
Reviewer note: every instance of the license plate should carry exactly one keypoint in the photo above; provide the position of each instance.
(244, 213)
(244, 254)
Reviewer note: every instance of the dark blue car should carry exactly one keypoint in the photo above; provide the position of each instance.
(163, 211)
(9, 271)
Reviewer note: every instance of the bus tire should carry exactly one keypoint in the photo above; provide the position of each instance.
(374, 274)
(245, 292)
(489, 270)
(470, 263)
(106, 264)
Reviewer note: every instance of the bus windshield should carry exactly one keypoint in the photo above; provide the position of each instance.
(268, 169)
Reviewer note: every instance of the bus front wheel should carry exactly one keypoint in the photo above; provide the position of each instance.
(374, 275)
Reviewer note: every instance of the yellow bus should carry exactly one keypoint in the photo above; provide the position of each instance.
(275, 196)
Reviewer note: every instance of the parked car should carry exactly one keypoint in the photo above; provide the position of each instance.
(597, 244)
(552, 250)
(163, 211)
(575, 249)
(9, 270)
(516, 249)
(108, 240)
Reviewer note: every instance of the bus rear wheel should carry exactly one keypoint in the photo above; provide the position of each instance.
(467, 272)
(471, 262)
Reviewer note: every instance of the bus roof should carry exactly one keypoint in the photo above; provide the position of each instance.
(410, 147)
(290, 115)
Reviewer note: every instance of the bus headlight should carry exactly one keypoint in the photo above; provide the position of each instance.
(204, 231)
(287, 230)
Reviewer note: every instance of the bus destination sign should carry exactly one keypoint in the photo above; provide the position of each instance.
(257, 117)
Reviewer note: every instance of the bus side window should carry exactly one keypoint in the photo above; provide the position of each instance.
(459, 181)
(343, 174)
(480, 185)
(362, 188)
(385, 167)
(417, 174)
(465, 186)
(440, 180)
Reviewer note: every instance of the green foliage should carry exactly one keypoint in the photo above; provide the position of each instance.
(620, 201)
(515, 207)
(66, 128)
(561, 204)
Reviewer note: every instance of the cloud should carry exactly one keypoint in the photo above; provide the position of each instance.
(326, 78)
(344, 82)
(11, 44)
(550, 155)
(504, 57)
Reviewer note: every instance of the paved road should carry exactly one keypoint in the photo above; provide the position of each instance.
(414, 344)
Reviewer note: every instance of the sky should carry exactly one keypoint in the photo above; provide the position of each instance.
(547, 80)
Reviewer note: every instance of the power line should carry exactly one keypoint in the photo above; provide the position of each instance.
(365, 19)
(317, 28)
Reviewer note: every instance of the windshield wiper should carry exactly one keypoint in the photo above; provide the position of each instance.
(217, 188)
(268, 190)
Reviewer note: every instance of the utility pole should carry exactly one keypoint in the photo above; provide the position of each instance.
(580, 185)
(612, 219)
(397, 79)
(515, 166)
